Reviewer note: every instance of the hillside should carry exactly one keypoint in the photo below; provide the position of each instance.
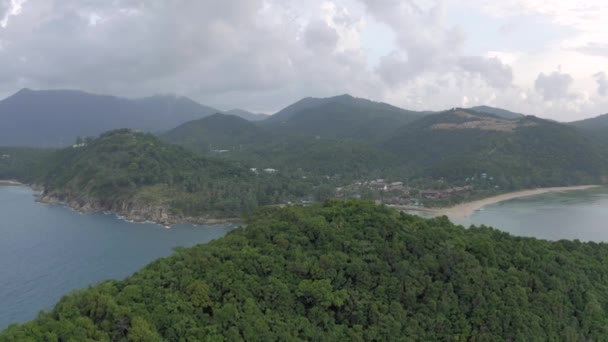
(217, 132)
(143, 178)
(340, 117)
(237, 139)
(346, 271)
(524, 153)
(505, 114)
(598, 123)
(247, 115)
(53, 118)
(22, 163)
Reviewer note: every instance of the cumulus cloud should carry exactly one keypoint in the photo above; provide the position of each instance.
(554, 86)
(491, 70)
(219, 52)
(602, 83)
(425, 40)
(264, 54)
(320, 36)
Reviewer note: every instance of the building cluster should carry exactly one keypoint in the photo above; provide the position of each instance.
(397, 193)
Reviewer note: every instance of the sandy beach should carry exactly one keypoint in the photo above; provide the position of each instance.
(9, 182)
(465, 210)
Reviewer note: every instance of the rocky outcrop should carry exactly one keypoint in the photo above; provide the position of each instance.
(130, 210)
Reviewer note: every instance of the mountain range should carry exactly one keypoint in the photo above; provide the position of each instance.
(53, 118)
(357, 138)
(340, 136)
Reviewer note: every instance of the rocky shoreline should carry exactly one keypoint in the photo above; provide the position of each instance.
(129, 210)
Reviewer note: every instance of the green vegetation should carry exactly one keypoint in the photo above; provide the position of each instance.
(217, 132)
(343, 141)
(125, 169)
(346, 271)
(598, 123)
(497, 111)
(523, 153)
(257, 147)
(340, 117)
(22, 163)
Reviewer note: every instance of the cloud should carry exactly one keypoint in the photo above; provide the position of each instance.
(594, 49)
(258, 53)
(320, 36)
(424, 39)
(491, 70)
(602, 83)
(9, 8)
(264, 54)
(554, 86)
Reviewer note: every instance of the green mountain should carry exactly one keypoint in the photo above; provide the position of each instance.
(346, 271)
(143, 178)
(23, 163)
(217, 132)
(598, 123)
(523, 153)
(340, 117)
(247, 115)
(237, 139)
(53, 118)
(497, 111)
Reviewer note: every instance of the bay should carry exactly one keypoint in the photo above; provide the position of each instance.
(48, 251)
(581, 215)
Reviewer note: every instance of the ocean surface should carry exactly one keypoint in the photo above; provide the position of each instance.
(581, 215)
(48, 251)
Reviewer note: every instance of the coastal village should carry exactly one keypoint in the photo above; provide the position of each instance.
(401, 194)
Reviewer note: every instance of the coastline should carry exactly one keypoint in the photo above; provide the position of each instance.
(132, 212)
(9, 182)
(465, 210)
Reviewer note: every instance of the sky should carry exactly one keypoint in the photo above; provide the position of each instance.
(542, 57)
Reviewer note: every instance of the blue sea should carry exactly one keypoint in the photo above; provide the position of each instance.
(47, 251)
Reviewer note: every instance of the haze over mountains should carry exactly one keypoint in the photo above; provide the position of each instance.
(51, 118)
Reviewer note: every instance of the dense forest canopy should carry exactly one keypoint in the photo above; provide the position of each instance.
(126, 167)
(346, 271)
(516, 151)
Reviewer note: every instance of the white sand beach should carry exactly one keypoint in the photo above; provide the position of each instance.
(465, 210)
(9, 182)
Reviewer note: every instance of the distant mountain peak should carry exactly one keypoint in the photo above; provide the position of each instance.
(247, 115)
(24, 91)
(50, 118)
(503, 113)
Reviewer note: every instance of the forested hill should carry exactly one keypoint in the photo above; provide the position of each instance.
(503, 113)
(344, 117)
(518, 153)
(217, 132)
(346, 271)
(598, 123)
(237, 139)
(141, 177)
(247, 115)
(53, 118)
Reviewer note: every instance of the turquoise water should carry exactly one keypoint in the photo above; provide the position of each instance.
(581, 215)
(48, 251)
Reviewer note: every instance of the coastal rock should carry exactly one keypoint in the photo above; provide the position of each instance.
(130, 210)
